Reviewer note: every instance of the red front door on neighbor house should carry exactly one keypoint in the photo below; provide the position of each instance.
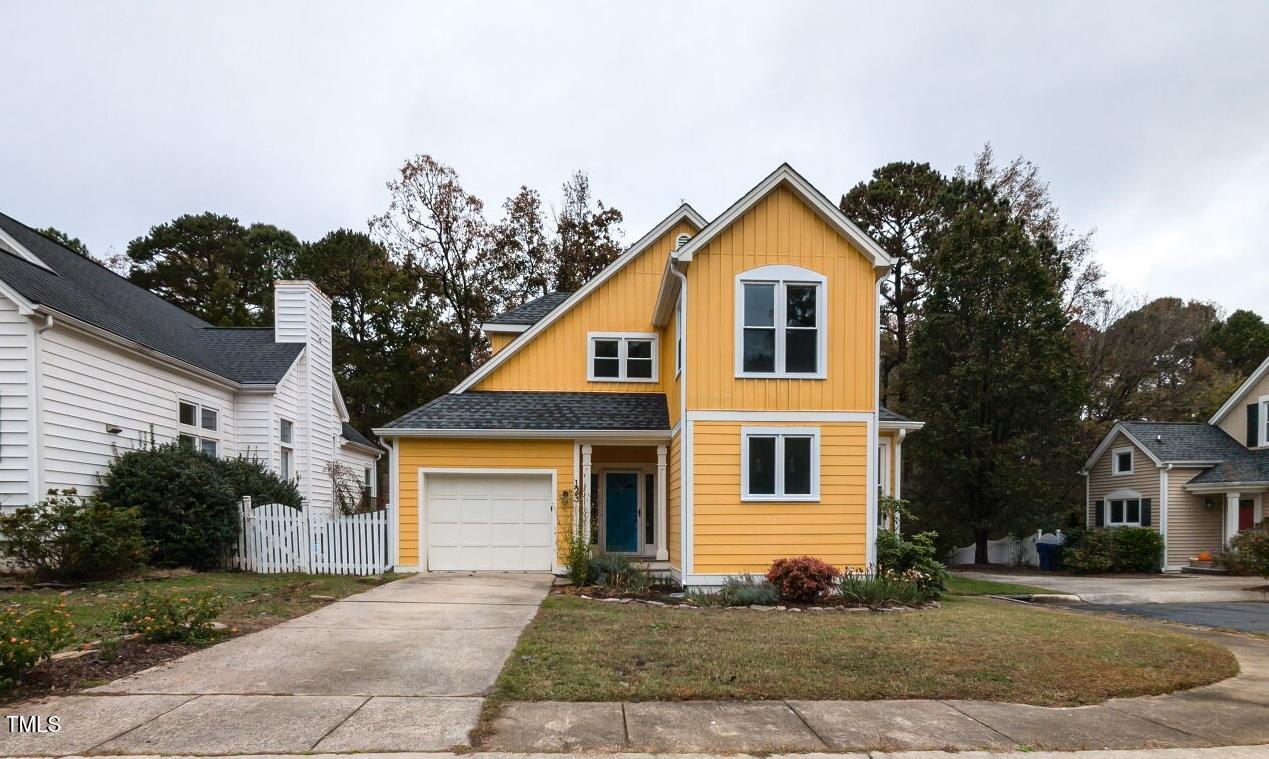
(1246, 514)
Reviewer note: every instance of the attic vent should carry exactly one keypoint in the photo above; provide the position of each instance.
(681, 241)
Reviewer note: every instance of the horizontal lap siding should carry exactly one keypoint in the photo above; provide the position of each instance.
(731, 536)
(781, 230)
(1144, 480)
(674, 501)
(479, 454)
(16, 338)
(89, 385)
(555, 360)
(1192, 526)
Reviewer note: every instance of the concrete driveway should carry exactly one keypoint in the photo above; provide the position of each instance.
(402, 667)
(1142, 589)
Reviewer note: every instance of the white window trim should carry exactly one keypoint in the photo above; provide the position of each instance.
(1262, 440)
(782, 275)
(779, 433)
(1123, 495)
(289, 476)
(1114, 461)
(623, 338)
(196, 430)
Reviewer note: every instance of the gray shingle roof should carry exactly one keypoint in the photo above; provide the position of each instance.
(1247, 466)
(886, 415)
(533, 311)
(525, 410)
(1185, 441)
(350, 433)
(89, 292)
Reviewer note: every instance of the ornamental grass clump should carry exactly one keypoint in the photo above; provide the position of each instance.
(804, 579)
(29, 635)
(180, 616)
(879, 587)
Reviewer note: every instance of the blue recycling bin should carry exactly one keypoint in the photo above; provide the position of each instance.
(1048, 555)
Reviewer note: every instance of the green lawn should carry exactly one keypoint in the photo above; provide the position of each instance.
(959, 585)
(252, 601)
(972, 648)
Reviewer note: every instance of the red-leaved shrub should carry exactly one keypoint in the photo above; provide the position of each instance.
(802, 580)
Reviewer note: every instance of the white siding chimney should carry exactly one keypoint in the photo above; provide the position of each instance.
(301, 314)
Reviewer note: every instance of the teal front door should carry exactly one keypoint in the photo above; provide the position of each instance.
(621, 512)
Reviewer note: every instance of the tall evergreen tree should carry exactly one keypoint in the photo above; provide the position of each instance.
(213, 267)
(68, 242)
(993, 373)
(898, 207)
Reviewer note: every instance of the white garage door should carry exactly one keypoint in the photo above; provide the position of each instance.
(489, 521)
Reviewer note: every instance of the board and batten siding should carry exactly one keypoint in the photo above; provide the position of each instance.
(731, 536)
(1192, 526)
(464, 453)
(556, 359)
(90, 385)
(17, 341)
(781, 229)
(1235, 422)
(1143, 480)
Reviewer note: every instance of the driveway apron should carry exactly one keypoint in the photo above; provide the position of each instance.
(402, 667)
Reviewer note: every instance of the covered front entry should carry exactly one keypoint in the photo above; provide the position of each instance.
(492, 520)
(626, 498)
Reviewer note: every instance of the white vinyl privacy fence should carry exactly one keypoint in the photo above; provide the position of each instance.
(276, 538)
(1008, 550)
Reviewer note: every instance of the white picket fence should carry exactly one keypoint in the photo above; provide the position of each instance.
(276, 538)
(1009, 550)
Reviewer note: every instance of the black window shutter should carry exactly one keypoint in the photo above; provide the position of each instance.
(1099, 514)
(1145, 512)
(1253, 425)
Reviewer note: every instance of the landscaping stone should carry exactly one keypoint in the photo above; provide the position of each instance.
(559, 726)
(85, 722)
(896, 725)
(405, 724)
(213, 725)
(1074, 728)
(718, 726)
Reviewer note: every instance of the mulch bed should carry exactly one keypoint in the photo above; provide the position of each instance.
(65, 676)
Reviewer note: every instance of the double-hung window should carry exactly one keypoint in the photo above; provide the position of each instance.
(1123, 512)
(780, 464)
(198, 427)
(780, 324)
(286, 449)
(622, 357)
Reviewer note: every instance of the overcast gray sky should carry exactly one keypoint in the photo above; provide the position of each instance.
(1150, 120)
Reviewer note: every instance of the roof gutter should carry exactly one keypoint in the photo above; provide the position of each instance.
(520, 434)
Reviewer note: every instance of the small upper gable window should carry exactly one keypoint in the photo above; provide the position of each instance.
(1122, 461)
(780, 323)
(622, 357)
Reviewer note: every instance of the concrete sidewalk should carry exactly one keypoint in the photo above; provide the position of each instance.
(402, 667)
(1160, 588)
(1229, 713)
(1230, 752)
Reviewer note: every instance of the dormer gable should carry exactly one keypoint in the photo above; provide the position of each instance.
(1245, 414)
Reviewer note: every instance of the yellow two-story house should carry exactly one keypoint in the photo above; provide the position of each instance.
(707, 403)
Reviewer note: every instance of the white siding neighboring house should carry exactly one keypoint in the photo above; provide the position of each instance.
(91, 364)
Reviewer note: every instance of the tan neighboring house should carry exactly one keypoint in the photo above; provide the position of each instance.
(1197, 483)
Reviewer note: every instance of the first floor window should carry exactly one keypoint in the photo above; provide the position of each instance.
(286, 455)
(622, 358)
(286, 465)
(780, 464)
(202, 425)
(368, 483)
(1125, 511)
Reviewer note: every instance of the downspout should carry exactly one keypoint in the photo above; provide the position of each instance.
(685, 446)
(1163, 513)
(35, 398)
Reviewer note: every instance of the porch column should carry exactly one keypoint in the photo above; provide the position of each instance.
(663, 550)
(1231, 516)
(585, 505)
